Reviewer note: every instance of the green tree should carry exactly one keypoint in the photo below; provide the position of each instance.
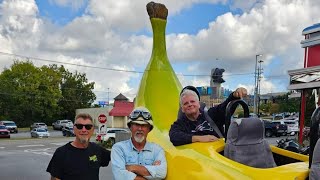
(76, 92)
(289, 105)
(29, 93)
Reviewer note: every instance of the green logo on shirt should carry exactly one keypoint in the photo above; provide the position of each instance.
(93, 158)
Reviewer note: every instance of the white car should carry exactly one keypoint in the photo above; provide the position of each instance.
(293, 125)
(111, 134)
(59, 124)
(40, 133)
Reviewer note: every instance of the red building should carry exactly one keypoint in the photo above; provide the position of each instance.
(307, 78)
(120, 111)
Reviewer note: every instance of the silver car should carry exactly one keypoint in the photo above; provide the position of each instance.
(40, 133)
(59, 124)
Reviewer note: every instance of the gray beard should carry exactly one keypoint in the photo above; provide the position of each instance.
(83, 140)
(138, 140)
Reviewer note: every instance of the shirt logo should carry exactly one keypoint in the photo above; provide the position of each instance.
(93, 158)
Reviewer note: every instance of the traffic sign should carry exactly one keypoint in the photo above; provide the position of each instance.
(102, 118)
(102, 129)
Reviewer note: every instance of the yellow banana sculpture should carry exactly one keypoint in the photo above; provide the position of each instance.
(159, 92)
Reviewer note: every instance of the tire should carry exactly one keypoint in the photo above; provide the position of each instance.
(268, 133)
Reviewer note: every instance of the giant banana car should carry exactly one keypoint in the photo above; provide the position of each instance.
(159, 92)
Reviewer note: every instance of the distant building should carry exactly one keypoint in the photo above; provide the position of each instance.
(120, 112)
(270, 97)
(116, 114)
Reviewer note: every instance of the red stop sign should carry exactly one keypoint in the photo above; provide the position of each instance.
(102, 118)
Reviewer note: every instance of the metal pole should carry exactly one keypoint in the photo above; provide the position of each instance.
(108, 97)
(259, 80)
(255, 86)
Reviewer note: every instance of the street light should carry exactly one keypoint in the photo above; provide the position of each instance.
(255, 86)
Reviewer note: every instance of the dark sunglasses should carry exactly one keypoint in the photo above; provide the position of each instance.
(136, 114)
(80, 126)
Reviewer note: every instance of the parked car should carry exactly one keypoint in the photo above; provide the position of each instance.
(59, 124)
(111, 134)
(253, 115)
(68, 131)
(293, 125)
(274, 128)
(4, 132)
(38, 125)
(40, 133)
(11, 126)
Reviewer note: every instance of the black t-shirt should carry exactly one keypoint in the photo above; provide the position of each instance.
(69, 162)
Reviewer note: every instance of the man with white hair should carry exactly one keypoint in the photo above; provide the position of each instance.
(193, 124)
(136, 158)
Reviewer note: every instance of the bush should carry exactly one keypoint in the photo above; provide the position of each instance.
(106, 144)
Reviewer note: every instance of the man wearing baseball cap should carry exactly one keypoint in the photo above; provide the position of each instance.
(136, 158)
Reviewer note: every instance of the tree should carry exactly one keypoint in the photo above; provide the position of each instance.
(76, 92)
(29, 93)
(32, 94)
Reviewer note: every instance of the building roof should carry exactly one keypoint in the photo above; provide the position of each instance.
(121, 108)
(121, 97)
(311, 29)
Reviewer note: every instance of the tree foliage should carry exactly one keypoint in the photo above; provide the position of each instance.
(42, 94)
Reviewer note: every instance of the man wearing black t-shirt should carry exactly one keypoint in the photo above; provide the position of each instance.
(79, 159)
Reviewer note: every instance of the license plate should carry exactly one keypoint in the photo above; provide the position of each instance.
(280, 131)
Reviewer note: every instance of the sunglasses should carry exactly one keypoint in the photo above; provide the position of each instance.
(136, 114)
(80, 126)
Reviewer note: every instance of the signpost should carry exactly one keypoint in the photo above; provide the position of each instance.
(102, 125)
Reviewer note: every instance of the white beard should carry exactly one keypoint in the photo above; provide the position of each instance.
(138, 139)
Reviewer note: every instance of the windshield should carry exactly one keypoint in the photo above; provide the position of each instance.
(41, 130)
(9, 124)
(3, 127)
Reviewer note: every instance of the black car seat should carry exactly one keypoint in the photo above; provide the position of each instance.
(246, 143)
(315, 165)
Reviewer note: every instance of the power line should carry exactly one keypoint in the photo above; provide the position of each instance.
(105, 68)
(73, 64)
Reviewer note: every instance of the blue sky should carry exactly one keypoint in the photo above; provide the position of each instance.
(201, 35)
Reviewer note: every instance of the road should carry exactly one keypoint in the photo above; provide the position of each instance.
(23, 158)
(26, 159)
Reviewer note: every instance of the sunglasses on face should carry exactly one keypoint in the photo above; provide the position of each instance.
(80, 126)
(136, 114)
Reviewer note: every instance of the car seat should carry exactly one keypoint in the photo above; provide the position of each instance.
(315, 165)
(246, 143)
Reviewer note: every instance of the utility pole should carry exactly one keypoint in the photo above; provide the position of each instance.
(259, 87)
(255, 85)
(108, 97)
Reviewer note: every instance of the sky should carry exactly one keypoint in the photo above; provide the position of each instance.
(101, 37)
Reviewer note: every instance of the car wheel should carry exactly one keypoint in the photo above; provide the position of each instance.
(268, 133)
